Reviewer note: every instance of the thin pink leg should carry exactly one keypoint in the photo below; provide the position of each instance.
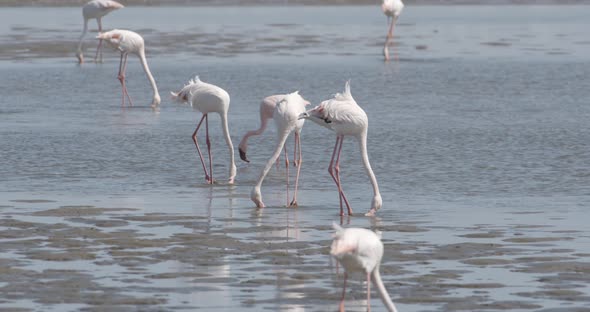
(368, 292)
(121, 77)
(341, 307)
(99, 47)
(208, 141)
(297, 162)
(287, 168)
(331, 171)
(207, 178)
(337, 169)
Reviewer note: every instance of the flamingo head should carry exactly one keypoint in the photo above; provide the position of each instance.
(113, 5)
(256, 197)
(182, 96)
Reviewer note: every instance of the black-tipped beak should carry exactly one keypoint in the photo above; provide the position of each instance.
(303, 116)
(243, 155)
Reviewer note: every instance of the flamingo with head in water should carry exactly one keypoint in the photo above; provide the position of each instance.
(286, 115)
(360, 250)
(344, 116)
(208, 98)
(126, 41)
(392, 9)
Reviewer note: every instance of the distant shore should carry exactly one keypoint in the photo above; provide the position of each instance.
(65, 3)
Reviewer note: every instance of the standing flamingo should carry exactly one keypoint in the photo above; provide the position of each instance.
(127, 42)
(95, 9)
(208, 98)
(267, 108)
(360, 250)
(342, 115)
(286, 115)
(392, 9)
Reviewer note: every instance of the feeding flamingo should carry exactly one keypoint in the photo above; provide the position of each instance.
(286, 115)
(360, 250)
(95, 9)
(342, 115)
(208, 98)
(126, 42)
(392, 9)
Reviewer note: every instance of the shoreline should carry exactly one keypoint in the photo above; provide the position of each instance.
(221, 3)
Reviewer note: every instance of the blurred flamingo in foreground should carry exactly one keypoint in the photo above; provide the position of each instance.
(360, 250)
(342, 115)
(208, 98)
(127, 42)
(95, 9)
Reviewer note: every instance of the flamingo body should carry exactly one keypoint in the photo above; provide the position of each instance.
(286, 116)
(208, 98)
(360, 250)
(126, 41)
(344, 116)
(95, 9)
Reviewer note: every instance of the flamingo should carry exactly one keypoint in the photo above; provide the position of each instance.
(286, 115)
(392, 9)
(95, 9)
(360, 250)
(342, 115)
(267, 108)
(208, 98)
(126, 42)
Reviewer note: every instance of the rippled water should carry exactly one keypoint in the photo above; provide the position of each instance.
(479, 137)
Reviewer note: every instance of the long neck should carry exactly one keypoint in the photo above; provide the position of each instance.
(225, 129)
(280, 143)
(382, 291)
(150, 77)
(365, 157)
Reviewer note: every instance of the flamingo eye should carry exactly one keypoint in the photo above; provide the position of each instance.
(184, 97)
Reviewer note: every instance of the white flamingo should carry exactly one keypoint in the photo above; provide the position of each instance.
(95, 9)
(342, 115)
(360, 250)
(127, 42)
(392, 9)
(208, 98)
(286, 115)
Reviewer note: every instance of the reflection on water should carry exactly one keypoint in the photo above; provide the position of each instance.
(479, 140)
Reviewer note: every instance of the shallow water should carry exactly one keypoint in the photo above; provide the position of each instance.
(479, 137)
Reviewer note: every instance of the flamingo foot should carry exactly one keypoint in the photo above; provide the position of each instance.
(243, 155)
(231, 181)
(210, 180)
(293, 203)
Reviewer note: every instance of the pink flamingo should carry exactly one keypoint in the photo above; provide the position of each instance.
(342, 115)
(208, 98)
(95, 9)
(267, 108)
(392, 9)
(360, 250)
(286, 115)
(127, 42)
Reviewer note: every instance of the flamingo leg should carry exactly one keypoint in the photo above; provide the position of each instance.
(368, 292)
(121, 77)
(341, 307)
(297, 162)
(337, 169)
(208, 141)
(99, 47)
(207, 178)
(287, 168)
(331, 171)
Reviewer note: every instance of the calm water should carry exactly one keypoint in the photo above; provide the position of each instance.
(483, 122)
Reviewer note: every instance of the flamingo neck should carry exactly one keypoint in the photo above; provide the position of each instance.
(227, 137)
(365, 158)
(280, 144)
(156, 98)
(382, 291)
